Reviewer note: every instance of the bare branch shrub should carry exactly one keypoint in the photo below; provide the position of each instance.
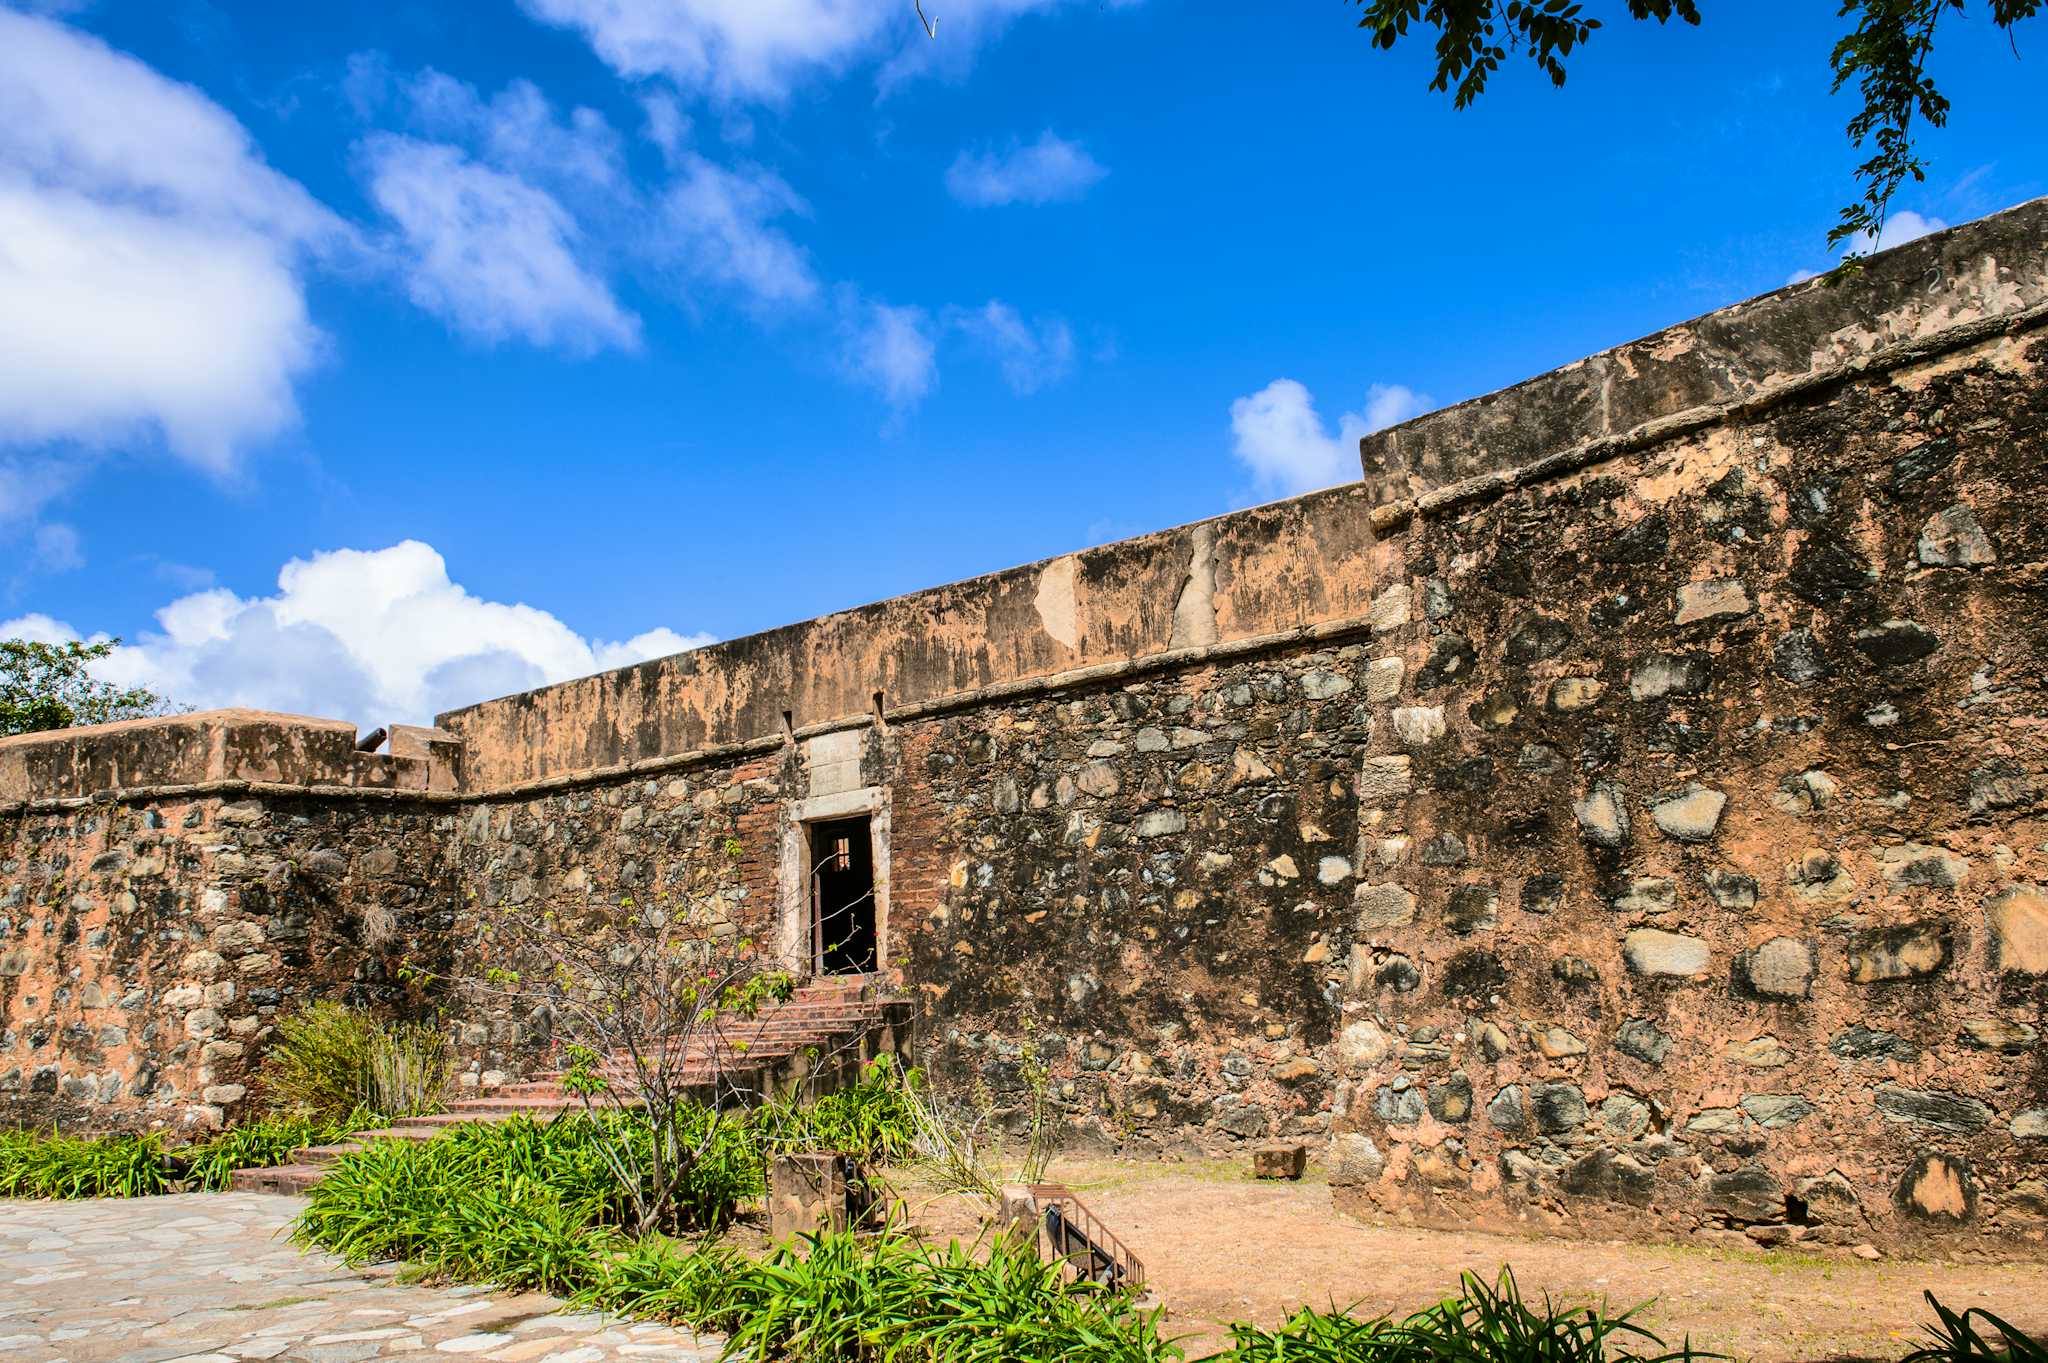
(650, 1005)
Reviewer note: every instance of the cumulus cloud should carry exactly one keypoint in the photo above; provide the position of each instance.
(1031, 355)
(889, 348)
(762, 49)
(490, 254)
(1280, 438)
(1899, 228)
(152, 263)
(1049, 170)
(371, 636)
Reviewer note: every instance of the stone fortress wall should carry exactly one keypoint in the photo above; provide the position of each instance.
(1621, 810)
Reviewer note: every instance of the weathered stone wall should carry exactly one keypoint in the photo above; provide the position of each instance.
(1145, 890)
(1703, 891)
(146, 948)
(1636, 823)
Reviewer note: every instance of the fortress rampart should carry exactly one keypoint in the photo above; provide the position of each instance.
(1623, 809)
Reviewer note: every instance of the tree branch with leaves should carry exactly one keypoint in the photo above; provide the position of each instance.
(51, 686)
(1884, 55)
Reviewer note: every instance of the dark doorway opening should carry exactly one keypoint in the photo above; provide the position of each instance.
(843, 936)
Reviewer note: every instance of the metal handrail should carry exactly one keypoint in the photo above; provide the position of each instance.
(1080, 1240)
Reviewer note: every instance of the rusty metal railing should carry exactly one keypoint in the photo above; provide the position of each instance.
(1090, 1250)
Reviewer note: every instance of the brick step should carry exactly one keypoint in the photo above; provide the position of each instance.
(290, 1180)
(819, 1015)
(324, 1154)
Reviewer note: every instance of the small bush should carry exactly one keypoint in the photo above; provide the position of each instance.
(408, 1069)
(1481, 1325)
(319, 1062)
(515, 1202)
(329, 1060)
(411, 1200)
(871, 1120)
(844, 1298)
(35, 1165)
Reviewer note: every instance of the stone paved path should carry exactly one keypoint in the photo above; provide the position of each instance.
(210, 1278)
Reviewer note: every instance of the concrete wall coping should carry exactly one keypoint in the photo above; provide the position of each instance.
(1820, 329)
(216, 748)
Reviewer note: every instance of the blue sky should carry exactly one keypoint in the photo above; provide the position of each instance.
(419, 353)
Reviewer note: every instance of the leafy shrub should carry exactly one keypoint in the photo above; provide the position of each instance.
(329, 1060)
(515, 1202)
(844, 1298)
(409, 1068)
(34, 1164)
(1956, 1340)
(871, 1120)
(262, 1144)
(319, 1062)
(408, 1200)
(1481, 1325)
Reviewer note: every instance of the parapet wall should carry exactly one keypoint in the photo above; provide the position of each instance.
(1625, 818)
(212, 751)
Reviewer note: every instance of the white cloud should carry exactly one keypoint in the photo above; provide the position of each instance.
(371, 636)
(1899, 228)
(517, 130)
(715, 226)
(1280, 438)
(1031, 355)
(37, 628)
(890, 349)
(150, 262)
(55, 549)
(762, 49)
(489, 253)
(1049, 170)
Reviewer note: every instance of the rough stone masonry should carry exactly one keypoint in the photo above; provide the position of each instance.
(1621, 810)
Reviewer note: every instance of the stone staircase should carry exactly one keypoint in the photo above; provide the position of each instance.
(819, 1037)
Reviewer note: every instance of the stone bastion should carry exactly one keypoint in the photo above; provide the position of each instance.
(1619, 811)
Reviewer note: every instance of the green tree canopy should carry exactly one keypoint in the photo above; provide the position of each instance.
(47, 686)
(1883, 54)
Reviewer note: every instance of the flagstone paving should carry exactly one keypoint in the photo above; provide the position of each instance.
(211, 1278)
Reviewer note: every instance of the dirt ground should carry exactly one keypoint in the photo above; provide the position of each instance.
(1220, 1246)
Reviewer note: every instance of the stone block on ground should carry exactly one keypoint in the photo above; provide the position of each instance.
(1280, 1159)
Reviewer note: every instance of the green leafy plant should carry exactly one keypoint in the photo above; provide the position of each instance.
(262, 1144)
(871, 1118)
(36, 1165)
(409, 1068)
(1483, 1324)
(1954, 1339)
(329, 1060)
(319, 1062)
(48, 686)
